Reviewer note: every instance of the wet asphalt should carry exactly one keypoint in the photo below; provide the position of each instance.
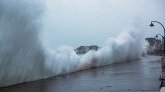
(135, 76)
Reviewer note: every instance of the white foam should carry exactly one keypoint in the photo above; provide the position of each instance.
(22, 57)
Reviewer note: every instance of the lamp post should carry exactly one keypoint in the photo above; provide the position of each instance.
(151, 25)
(159, 35)
(162, 77)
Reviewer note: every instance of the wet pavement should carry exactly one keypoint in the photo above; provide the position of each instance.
(137, 76)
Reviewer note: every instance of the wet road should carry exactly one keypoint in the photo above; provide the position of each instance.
(137, 76)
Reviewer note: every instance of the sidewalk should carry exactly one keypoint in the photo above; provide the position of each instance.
(162, 89)
(134, 76)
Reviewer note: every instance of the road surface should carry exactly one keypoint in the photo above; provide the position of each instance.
(135, 76)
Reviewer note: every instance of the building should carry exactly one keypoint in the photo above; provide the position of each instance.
(85, 49)
(155, 46)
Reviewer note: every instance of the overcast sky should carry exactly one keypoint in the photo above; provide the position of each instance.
(90, 22)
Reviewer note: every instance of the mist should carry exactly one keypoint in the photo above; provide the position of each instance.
(32, 32)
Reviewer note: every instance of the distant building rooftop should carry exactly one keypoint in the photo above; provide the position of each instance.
(85, 49)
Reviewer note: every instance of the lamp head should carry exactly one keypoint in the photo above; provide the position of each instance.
(156, 36)
(151, 25)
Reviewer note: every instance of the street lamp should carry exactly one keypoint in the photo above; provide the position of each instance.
(159, 35)
(151, 25)
(162, 78)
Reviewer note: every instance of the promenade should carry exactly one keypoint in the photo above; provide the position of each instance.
(134, 76)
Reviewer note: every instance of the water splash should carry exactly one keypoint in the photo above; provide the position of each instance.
(22, 57)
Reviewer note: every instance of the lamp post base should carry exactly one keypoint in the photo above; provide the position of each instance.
(162, 76)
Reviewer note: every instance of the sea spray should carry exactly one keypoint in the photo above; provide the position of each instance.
(23, 58)
(21, 54)
(128, 46)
